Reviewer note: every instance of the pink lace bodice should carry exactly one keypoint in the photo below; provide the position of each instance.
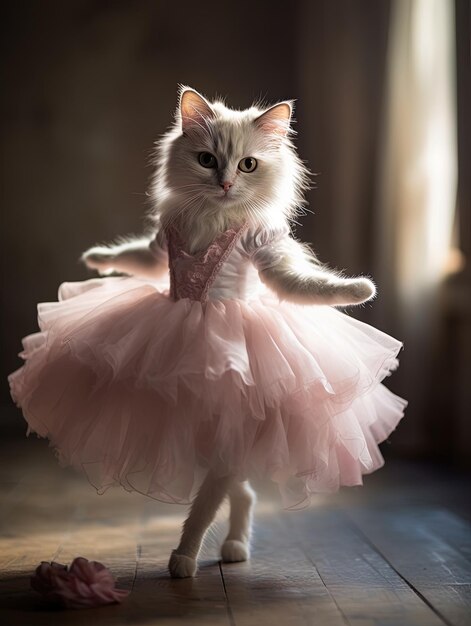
(192, 275)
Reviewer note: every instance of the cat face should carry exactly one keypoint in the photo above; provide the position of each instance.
(228, 164)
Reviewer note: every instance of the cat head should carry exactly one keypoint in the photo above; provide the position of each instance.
(226, 165)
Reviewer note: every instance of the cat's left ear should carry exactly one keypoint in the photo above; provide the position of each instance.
(276, 119)
(195, 111)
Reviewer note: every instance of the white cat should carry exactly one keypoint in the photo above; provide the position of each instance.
(215, 168)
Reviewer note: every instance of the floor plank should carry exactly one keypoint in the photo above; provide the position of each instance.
(279, 582)
(448, 526)
(365, 587)
(424, 555)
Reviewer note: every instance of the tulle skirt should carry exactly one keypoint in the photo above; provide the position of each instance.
(147, 392)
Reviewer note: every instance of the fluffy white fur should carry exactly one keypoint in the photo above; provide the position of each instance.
(206, 201)
(129, 256)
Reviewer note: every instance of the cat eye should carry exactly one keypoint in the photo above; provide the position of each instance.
(247, 165)
(206, 159)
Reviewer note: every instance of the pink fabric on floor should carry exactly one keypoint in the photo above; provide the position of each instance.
(83, 585)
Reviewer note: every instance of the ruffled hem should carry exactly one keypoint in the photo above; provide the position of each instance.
(146, 392)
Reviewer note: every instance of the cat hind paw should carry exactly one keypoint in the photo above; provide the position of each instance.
(234, 551)
(181, 566)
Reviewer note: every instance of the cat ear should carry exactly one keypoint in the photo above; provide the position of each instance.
(195, 110)
(276, 119)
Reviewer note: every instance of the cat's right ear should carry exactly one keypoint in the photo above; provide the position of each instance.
(195, 111)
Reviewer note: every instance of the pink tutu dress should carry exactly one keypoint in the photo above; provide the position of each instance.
(145, 386)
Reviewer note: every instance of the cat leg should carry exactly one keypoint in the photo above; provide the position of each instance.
(143, 257)
(237, 544)
(214, 489)
(293, 272)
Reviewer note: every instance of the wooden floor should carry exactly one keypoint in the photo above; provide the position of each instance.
(395, 552)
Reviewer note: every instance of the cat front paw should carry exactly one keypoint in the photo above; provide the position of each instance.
(98, 258)
(360, 290)
(181, 566)
(234, 551)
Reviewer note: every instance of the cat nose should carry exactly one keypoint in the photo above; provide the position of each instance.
(226, 186)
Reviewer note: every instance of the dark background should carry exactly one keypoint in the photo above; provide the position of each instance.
(88, 85)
